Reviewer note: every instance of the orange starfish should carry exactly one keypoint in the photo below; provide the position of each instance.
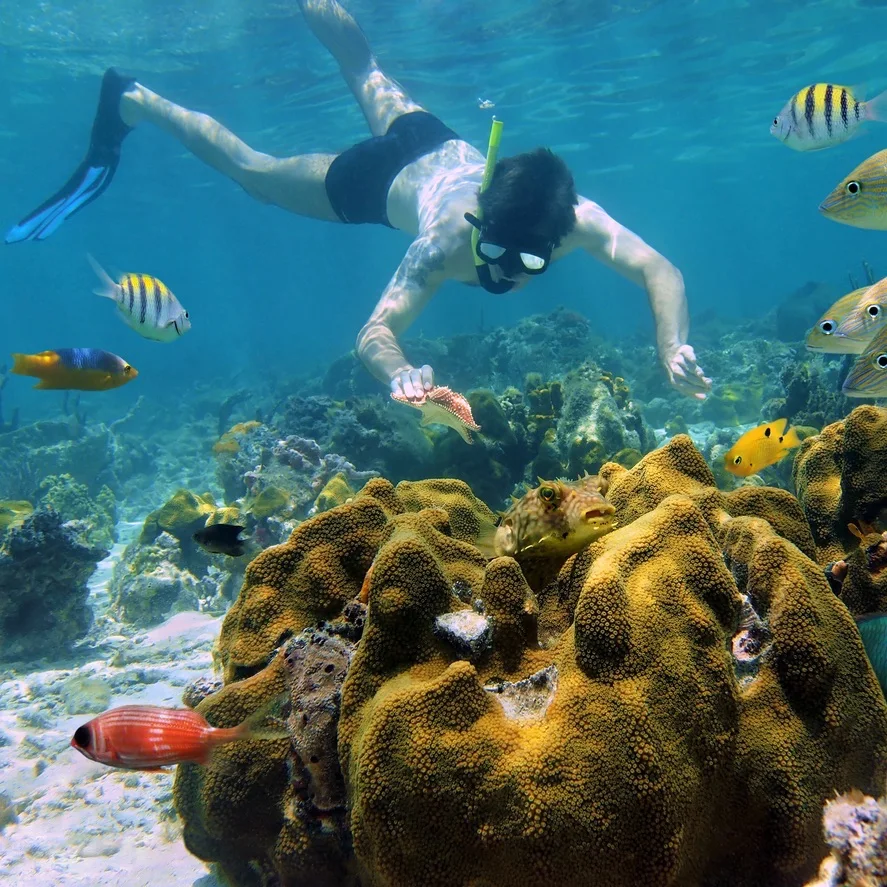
(443, 406)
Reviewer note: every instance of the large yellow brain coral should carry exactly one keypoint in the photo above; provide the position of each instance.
(699, 694)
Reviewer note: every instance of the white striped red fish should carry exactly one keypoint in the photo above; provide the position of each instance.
(145, 303)
(823, 115)
(147, 737)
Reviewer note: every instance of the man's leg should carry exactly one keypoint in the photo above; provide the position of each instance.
(293, 183)
(381, 98)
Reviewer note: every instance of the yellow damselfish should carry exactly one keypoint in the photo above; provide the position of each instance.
(760, 447)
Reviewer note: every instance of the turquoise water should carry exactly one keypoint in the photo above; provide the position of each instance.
(661, 110)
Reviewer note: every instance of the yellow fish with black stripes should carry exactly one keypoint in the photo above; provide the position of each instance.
(860, 199)
(823, 115)
(145, 303)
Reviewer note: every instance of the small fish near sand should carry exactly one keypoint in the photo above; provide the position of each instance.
(148, 737)
(760, 447)
(145, 303)
(868, 375)
(822, 115)
(860, 199)
(822, 336)
(75, 369)
(221, 539)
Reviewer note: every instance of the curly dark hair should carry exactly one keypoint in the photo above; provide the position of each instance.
(530, 194)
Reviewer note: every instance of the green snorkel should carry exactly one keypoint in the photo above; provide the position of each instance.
(483, 271)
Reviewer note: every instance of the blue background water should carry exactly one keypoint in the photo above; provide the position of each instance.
(662, 111)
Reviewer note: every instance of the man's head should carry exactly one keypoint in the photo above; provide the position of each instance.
(529, 204)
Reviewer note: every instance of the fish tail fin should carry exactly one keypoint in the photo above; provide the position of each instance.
(263, 724)
(485, 542)
(876, 108)
(21, 365)
(109, 288)
(790, 439)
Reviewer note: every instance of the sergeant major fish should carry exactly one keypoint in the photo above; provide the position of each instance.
(145, 303)
(823, 115)
(75, 369)
(860, 199)
(760, 447)
(822, 336)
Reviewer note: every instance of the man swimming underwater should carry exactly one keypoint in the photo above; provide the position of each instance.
(416, 175)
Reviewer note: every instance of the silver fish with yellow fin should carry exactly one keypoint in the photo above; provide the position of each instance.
(860, 199)
(824, 114)
(868, 375)
(760, 447)
(822, 336)
(145, 303)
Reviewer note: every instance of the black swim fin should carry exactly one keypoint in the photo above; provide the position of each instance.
(95, 172)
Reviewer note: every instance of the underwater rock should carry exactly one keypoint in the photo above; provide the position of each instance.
(466, 631)
(44, 571)
(652, 760)
(855, 828)
(198, 689)
(153, 580)
(97, 515)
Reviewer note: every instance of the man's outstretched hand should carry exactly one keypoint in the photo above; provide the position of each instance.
(685, 375)
(413, 383)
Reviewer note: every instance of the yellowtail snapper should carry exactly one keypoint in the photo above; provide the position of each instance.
(860, 199)
(823, 115)
(145, 303)
(868, 375)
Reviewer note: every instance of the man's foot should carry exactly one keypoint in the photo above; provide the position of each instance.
(95, 172)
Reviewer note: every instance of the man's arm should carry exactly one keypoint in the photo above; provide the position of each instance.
(416, 280)
(625, 252)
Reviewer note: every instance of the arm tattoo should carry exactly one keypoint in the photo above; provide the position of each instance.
(422, 259)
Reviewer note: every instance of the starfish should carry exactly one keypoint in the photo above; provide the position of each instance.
(443, 406)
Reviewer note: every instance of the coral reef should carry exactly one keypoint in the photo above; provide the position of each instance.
(634, 747)
(96, 517)
(44, 569)
(841, 478)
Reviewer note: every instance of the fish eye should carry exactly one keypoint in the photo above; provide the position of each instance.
(874, 310)
(737, 460)
(187, 315)
(853, 187)
(776, 121)
(827, 327)
(881, 361)
(547, 493)
(82, 737)
(127, 369)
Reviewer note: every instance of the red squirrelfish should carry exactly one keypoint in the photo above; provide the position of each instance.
(147, 737)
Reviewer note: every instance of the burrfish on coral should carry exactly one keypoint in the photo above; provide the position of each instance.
(443, 406)
(760, 447)
(823, 336)
(555, 520)
(868, 375)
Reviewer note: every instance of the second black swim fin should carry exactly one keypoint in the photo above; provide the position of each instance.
(95, 172)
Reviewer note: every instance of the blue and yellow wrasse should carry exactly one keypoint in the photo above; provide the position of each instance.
(145, 303)
(823, 115)
(868, 375)
(760, 447)
(822, 336)
(860, 199)
(78, 369)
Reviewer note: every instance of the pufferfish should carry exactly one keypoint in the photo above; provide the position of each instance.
(549, 524)
(760, 447)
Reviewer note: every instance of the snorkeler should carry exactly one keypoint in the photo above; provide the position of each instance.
(415, 175)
